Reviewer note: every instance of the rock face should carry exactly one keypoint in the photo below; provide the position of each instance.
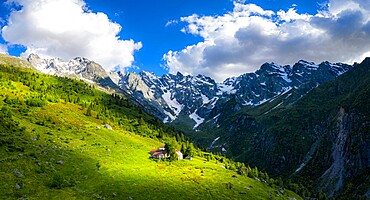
(350, 152)
(79, 67)
(332, 179)
(190, 100)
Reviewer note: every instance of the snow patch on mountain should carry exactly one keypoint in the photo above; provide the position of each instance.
(198, 120)
(309, 65)
(213, 142)
(205, 99)
(213, 102)
(216, 117)
(286, 78)
(169, 117)
(248, 103)
(227, 89)
(172, 103)
(200, 80)
(281, 103)
(337, 68)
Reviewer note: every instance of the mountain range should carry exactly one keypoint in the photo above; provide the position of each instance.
(180, 99)
(306, 122)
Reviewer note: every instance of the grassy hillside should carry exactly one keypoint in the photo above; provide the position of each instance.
(53, 145)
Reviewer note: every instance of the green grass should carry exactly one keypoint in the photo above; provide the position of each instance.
(53, 150)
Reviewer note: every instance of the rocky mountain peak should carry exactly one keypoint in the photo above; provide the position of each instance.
(180, 98)
(33, 57)
(36, 61)
(78, 67)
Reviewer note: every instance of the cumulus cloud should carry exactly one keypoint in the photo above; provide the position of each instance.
(240, 41)
(67, 29)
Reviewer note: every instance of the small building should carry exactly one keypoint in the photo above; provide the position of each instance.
(160, 155)
(153, 151)
(179, 155)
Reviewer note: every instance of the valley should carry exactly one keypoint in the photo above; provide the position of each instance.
(55, 144)
(236, 99)
(302, 125)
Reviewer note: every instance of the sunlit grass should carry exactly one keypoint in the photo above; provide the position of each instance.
(125, 169)
(64, 154)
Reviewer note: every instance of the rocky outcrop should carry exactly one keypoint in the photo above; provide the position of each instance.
(332, 179)
(137, 85)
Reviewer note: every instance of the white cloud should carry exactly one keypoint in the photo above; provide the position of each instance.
(67, 29)
(240, 41)
(171, 22)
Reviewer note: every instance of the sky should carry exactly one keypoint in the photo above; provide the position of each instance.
(217, 38)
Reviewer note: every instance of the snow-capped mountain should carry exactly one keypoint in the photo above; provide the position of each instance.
(189, 100)
(271, 80)
(79, 67)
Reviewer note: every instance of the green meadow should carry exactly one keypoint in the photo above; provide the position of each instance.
(53, 145)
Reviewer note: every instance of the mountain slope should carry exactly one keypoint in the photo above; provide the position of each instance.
(322, 140)
(56, 143)
(11, 60)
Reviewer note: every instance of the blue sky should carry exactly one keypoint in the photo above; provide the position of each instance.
(145, 20)
(218, 38)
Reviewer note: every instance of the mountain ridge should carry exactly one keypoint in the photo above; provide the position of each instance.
(188, 101)
(79, 67)
(202, 94)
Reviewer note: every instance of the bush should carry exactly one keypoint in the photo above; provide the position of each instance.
(35, 102)
(56, 181)
(59, 181)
